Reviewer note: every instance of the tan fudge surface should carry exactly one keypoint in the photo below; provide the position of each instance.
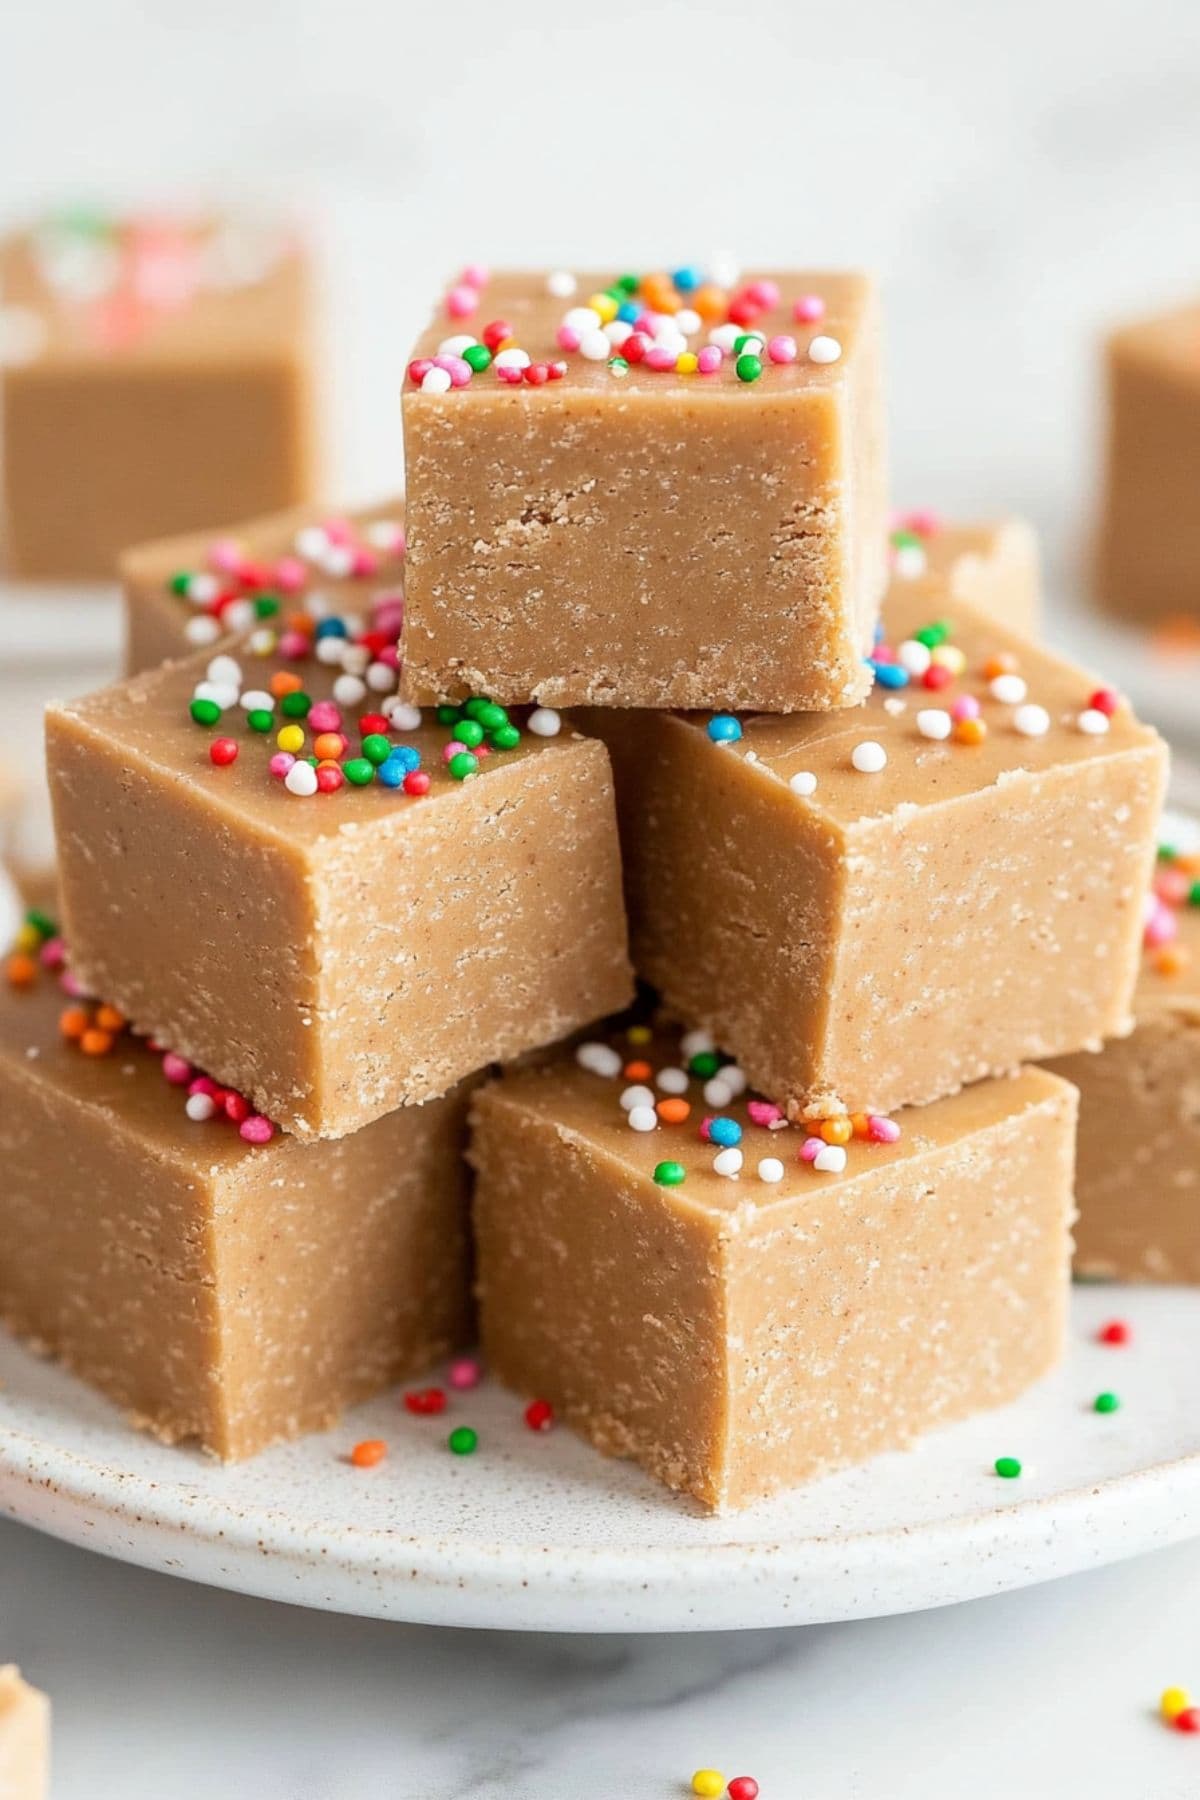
(1138, 1182)
(737, 1336)
(291, 562)
(336, 955)
(892, 935)
(129, 416)
(1148, 551)
(994, 565)
(24, 1738)
(228, 1293)
(651, 540)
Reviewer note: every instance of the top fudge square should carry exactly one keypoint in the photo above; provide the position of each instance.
(618, 497)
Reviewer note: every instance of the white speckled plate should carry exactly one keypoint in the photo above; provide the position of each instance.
(538, 1532)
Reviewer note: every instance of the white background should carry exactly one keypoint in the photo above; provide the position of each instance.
(1019, 176)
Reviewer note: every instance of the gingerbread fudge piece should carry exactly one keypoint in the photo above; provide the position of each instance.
(155, 374)
(339, 939)
(739, 1307)
(994, 565)
(1148, 549)
(186, 592)
(872, 909)
(617, 496)
(24, 1738)
(1138, 1179)
(225, 1283)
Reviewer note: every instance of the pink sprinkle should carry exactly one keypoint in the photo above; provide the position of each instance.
(659, 357)
(924, 522)
(782, 349)
(176, 1069)
(763, 293)
(295, 645)
(710, 359)
(324, 716)
(459, 371)
(882, 1130)
(53, 953)
(225, 556)
(280, 763)
(510, 373)
(202, 1084)
(808, 309)
(1162, 926)
(474, 276)
(365, 564)
(567, 338)
(764, 1112)
(389, 656)
(290, 574)
(811, 1148)
(70, 984)
(706, 1129)
(338, 531)
(1172, 885)
(465, 1372)
(462, 301)
(965, 707)
(256, 1129)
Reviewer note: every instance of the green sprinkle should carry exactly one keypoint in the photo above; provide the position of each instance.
(1107, 1403)
(1008, 1467)
(1167, 853)
(933, 635)
(448, 715)
(468, 732)
(1194, 894)
(748, 367)
(180, 584)
(41, 922)
(669, 1174)
(906, 540)
(462, 765)
(474, 706)
(266, 606)
(704, 1064)
(617, 365)
(629, 284)
(259, 719)
(463, 1441)
(297, 705)
(205, 712)
(358, 771)
(505, 737)
(376, 748)
(477, 356)
(490, 716)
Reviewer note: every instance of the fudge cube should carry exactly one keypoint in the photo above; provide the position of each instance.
(340, 939)
(658, 1259)
(224, 1289)
(1148, 550)
(589, 526)
(24, 1738)
(871, 909)
(155, 374)
(1138, 1176)
(994, 565)
(183, 593)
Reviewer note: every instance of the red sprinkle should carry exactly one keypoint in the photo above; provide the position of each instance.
(1117, 1331)
(539, 1415)
(329, 779)
(495, 334)
(743, 1787)
(1188, 1719)
(425, 1401)
(937, 675)
(237, 1108)
(373, 724)
(223, 751)
(1105, 700)
(416, 782)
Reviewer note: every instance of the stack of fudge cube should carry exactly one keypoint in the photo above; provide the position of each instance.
(358, 863)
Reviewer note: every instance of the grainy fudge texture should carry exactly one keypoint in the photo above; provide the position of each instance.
(154, 375)
(185, 592)
(24, 1738)
(1138, 1181)
(1148, 553)
(335, 953)
(740, 1332)
(225, 1291)
(872, 909)
(597, 530)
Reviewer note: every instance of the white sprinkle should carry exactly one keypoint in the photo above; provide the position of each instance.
(804, 782)
(717, 1093)
(643, 1118)
(595, 346)
(512, 359)
(381, 677)
(688, 321)
(582, 319)
(200, 1107)
(697, 1043)
(671, 1081)
(562, 284)
(221, 693)
(725, 337)
(754, 344)
(831, 1158)
(728, 1162)
(238, 617)
(910, 561)
(1092, 722)
(348, 690)
(733, 1078)
(1009, 689)
(598, 1059)
(637, 1095)
(261, 642)
(724, 270)
(616, 331)
(824, 350)
(338, 560)
(435, 381)
(330, 651)
(258, 700)
(203, 588)
(934, 722)
(770, 1169)
(893, 706)
(23, 336)
(202, 630)
(454, 346)
(385, 534)
(225, 670)
(545, 722)
(869, 757)
(913, 656)
(301, 779)
(311, 542)
(401, 716)
(1031, 721)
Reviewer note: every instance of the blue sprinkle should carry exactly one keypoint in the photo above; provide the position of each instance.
(331, 628)
(879, 633)
(391, 773)
(686, 280)
(405, 756)
(723, 728)
(627, 312)
(725, 1132)
(890, 675)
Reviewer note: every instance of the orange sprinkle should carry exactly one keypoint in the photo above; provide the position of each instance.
(303, 622)
(638, 1071)
(837, 1130)
(366, 1454)
(860, 1124)
(1172, 959)
(21, 969)
(673, 1111)
(284, 681)
(95, 1042)
(1003, 663)
(109, 1019)
(970, 731)
(73, 1022)
(660, 295)
(711, 302)
(328, 746)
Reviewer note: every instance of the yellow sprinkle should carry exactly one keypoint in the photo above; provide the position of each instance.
(950, 657)
(291, 738)
(28, 938)
(639, 1034)
(686, 363)
(709, 1782)
(605, 305)
(1174, 1701)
